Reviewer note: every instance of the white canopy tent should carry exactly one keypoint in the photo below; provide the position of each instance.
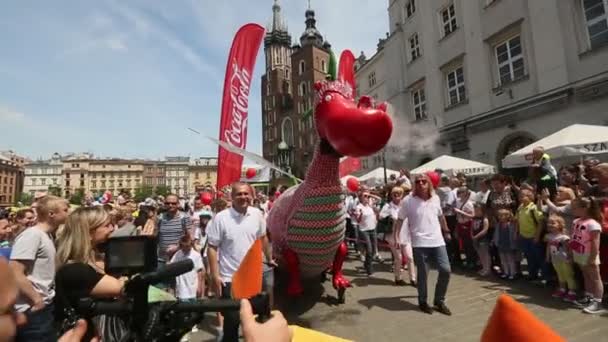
(455, 165)
(372, 178)
(376, 177)
(571, 142)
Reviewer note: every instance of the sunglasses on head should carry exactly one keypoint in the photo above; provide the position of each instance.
(421, 181)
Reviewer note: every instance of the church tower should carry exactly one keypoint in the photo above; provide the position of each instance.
(309, 62)
(276, 88)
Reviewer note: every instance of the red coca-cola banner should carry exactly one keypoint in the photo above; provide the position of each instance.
(235, 102)
(349, 165)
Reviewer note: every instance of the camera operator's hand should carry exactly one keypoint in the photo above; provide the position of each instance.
(77, 333)
(274, 330)
(9, 319)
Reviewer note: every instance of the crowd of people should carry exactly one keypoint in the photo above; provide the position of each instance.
(56, 256)
(555, 221)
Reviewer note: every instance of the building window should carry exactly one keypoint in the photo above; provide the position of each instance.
(302, 89)
(448, 20)
(414, 44)
(455, 86)
(286, 73)
(287, 131)
(302, 67)
(596, 17)
(371, 79)
(410, 8)
(43, 181)
(510, 60)
(323, 66)
(419, 103)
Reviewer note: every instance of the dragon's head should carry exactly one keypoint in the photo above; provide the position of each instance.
(352, 129)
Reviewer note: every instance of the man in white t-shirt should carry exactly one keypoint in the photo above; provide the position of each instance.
(428, 231)
(230, 236)
(33, 263)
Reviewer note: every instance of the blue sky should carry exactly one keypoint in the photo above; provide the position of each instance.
(126, 78)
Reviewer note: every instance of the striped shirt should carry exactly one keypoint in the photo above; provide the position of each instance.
(170, 230)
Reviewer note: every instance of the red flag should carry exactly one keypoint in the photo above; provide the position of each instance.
(346, 71)
(235, 102)
(349, 165)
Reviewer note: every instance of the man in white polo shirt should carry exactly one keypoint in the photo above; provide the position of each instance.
(230, 236)
(428, 229)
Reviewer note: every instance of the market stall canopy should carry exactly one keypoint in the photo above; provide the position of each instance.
(376, 177)
(573, 141)
(455, 165)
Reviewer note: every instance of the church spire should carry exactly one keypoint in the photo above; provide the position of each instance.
(277, 22)
(277, 31)
(311, 35)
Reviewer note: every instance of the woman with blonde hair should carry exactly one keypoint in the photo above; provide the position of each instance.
(397, 243)
(81, 275)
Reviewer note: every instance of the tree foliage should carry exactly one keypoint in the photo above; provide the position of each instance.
(162, 190)
(143, 192)
(26, 198)
(77, 197)
(55, 191)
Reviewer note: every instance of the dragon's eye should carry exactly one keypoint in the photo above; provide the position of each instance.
(327, 98)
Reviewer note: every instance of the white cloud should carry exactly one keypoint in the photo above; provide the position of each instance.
(10, 115)
(148, 30)
(116, 44)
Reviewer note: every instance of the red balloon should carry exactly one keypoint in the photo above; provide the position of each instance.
(434, 178)
(206, 198)
(250, 173)
(352, 184)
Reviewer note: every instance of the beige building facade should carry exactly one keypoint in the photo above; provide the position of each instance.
(100, 175)
(493, 76)
(203, 173)
(42, 175)
(176, 175)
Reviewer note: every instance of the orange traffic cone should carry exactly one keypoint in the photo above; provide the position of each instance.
(511, 321)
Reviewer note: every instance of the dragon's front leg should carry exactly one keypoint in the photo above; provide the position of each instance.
(339, 282)
(294, 282)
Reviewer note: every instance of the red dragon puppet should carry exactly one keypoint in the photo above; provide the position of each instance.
(307, 222)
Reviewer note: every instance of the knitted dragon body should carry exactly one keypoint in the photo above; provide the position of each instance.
(307, 222)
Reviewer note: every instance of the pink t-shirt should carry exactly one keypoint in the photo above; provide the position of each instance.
(581, 235)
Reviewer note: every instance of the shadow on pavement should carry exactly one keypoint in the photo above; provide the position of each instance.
(390, 303)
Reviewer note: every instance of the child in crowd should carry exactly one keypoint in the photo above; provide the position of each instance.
(506, 242)
(479, 234)
(585, 245)
(529, 219)
(190, 285)
(558, 254)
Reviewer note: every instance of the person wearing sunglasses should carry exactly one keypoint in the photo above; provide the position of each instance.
(428, 231)
(172, 225)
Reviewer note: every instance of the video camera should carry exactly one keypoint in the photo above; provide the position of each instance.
(136, 258)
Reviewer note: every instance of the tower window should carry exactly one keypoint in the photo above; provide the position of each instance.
(302, 67)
